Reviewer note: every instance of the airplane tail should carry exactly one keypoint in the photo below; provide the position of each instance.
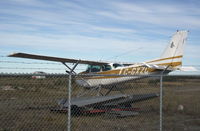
(173, 54)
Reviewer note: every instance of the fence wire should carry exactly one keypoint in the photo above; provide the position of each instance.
(181, 103)
(26, 102)
(40, 102)
(139, 111)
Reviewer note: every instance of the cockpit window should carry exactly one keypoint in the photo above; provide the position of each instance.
(115, 65)
(93, 68)
(97, 68)
(106, 67)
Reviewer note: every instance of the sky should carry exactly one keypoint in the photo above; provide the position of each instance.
(100, 30)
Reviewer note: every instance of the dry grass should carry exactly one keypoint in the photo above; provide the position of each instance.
(27, 106)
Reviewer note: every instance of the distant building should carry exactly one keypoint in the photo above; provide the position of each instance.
(39, 75)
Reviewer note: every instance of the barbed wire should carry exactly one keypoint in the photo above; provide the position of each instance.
(17, 62)
(42, 63)
(35, 68)
(192, 65)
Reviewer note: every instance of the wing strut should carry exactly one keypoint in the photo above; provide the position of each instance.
(71, 70)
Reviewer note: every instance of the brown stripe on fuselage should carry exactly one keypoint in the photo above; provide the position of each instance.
(165, 59)
(173, 64)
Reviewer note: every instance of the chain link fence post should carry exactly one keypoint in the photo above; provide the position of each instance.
(69, 103)
(161, 100)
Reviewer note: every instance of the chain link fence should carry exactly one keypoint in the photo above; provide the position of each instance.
(26, 101)
(181, 103)
(139, 110)
(40, 102)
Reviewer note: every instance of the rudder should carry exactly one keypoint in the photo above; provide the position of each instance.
(173, 53)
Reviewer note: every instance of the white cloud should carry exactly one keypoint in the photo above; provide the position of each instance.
(130, 7)
(72, 46)
(162, 14)
(111, 29)
(114, 27)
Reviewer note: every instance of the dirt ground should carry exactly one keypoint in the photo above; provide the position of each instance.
(25, 104)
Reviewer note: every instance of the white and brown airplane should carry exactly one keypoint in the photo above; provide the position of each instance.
(107, 75)
(170, 60)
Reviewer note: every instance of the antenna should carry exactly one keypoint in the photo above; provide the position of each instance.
(125, 53)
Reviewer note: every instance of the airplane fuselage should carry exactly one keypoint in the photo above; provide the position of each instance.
(115, 76)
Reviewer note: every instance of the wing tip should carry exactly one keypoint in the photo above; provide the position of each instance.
(12, 54)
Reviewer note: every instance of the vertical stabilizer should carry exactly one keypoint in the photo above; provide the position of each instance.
(173, 53)
(176, 45)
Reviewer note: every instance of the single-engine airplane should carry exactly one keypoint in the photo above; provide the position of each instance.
(101, 74)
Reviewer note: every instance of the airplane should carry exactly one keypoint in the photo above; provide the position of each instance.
(100, 74)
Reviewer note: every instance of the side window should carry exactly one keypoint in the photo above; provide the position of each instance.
(117, 65)
(106, 67)
(95, 68)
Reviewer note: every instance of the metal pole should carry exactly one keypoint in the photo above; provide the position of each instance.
(161, 100)
(69, 103)
(69, 92)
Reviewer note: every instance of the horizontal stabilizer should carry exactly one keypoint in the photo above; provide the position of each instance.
(189, 68)
(158, 67)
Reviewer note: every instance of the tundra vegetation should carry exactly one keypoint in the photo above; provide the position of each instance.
(25, 104)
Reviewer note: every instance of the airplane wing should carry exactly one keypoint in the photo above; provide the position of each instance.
(133, 99)
(119, 99)
(91, 101)
(58, 59)
(55, 59)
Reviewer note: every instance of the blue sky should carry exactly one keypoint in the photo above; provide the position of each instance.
(96, 29)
